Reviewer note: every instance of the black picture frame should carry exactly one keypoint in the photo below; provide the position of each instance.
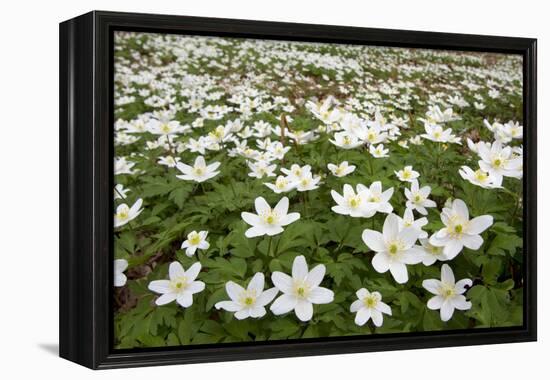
(86, 167)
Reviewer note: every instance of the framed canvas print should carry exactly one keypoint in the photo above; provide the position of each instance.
(239, 189)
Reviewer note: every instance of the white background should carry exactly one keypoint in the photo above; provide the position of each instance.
(29, 187)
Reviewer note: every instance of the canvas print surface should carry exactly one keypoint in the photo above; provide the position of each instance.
(275, 190)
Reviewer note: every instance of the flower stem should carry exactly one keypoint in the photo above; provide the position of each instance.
(269, 246)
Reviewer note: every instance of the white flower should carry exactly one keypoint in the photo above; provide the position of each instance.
(120, 191)
(249, 302)
(417, 198)
(431, 252)
(448, 294)
(375, 195)
(268, 221)
(197, 146)
(282, 185)
(168, 161)
(124, 214)
(119, 277)
(195, 240)
(352, 204)
(300, 291)
(308, 182)
(378, 151)
(500, 162)
(180, 287)
(369, 305)
(341, 170)
(513, 130)
(260, 169)
(407, 174)
(394, 248)
(459, 230)
(277, 150)
(166, 128)
(296, 172)
(437, 134)
(199, 172)
(408, 222)
(479, 177)
(122, 166)
(346, 141)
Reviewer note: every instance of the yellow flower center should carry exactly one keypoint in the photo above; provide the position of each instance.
(249, 301)
(165, 128)
(195, 239)
(437, 135)
(354, 201)
(393, 249)
(417, 198)
(447, 290)
(481, 176)
(458, 228)
(178, 284)
(270, 217)
(370, 301)
(198, 171)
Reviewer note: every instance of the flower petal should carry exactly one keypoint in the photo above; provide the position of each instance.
(391, 227)
(374, 240)
(234, 290)
(283, 304)
(175, 270)
(320, 295)
(472, 241)
(165, 299)
(377, 317)
(266, 296)
(228, 306)
(256, 283)
(250, 218)
(299, 268)
(479, 224)
(362, 316)
(447, 310)
(381, 262)
(185, 299)
(447, 275)
(399, 272)
(461, 209)
(460, 303)
(195, 287)
(290, 218)
(255, 232)
(261, 205)
(282, 207)
(432, 286)
(193, 271)
(282, 281)
(435, 303)
(160, 286)
(315, 276)
(303, 310)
